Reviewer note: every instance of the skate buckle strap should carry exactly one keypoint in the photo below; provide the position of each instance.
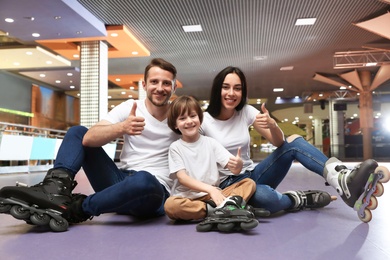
(343, 183)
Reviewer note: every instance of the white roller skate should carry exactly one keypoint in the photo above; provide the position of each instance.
(358, 187)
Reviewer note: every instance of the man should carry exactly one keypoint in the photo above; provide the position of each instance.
(140, 185)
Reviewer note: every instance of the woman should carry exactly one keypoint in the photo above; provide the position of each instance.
(227, 119)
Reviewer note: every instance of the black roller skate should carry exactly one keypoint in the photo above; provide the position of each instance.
(311, 199)
(232, 215)
(44, 203)
(358, 187)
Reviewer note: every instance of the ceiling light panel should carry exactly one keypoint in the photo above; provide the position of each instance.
(192, 28)
(17, 58)
(305, 21)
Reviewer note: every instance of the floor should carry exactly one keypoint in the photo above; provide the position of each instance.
(334, 232)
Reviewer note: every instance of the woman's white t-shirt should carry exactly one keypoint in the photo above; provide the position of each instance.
(148, 151)
(232, 133)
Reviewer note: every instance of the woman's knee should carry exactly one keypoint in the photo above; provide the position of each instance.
(292, 138)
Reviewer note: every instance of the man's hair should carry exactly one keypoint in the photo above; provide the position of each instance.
(181, 105)
(215, 103)
(161, 63)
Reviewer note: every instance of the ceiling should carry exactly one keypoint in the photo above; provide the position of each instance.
(259, 36)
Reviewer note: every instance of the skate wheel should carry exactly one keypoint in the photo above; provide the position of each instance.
(40, 219)
(249, 225)
(367, 216)
(58, 226)
(379, 190)
(19, 213)
(225, 227)
(204, 227)
(386, 173)
(4, 208)
(373, 203)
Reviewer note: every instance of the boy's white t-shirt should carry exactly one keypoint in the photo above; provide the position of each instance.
(232, 133)
(200, 160)
(148, 151)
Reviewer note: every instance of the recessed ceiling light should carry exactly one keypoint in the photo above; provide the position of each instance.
(114, 35)
(278, 89)
(72, 87)
(134, 52)
(36, 35)
(260, 57)
(42, 75)
(369, 64)
(29, 53)
(75, 55)
(287, 68)
(118, 79)
(305, 21)
(69, 74)
(58, 81)
(9, 20)
(49, 62)
(192, 28)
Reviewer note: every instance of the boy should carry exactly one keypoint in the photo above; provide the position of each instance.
(193, 164)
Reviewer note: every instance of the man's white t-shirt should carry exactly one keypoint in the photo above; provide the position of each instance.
(148, 151)
(200, 160)
(232, 133)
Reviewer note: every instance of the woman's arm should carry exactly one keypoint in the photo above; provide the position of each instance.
(268, 128)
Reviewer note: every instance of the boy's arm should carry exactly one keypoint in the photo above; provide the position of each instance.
(194, 184)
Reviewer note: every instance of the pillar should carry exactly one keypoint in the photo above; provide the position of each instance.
(336, 127)
(318, 138)
(93, 82)
(366, 113)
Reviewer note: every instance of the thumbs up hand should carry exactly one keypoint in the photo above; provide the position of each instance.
(263, 120)
(235, 162)
(133, 125)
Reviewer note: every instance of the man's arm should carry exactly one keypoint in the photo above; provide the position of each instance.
(104, 131)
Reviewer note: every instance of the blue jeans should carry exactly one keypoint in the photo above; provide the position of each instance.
(136, 193)
(270, 172)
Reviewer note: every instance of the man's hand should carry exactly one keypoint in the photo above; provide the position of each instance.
(133, 125)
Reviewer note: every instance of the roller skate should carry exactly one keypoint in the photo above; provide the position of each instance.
(47, 203)
(311, 199)
(358, 187)
(232, 215)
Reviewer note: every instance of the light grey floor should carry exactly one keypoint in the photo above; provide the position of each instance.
(334, 232)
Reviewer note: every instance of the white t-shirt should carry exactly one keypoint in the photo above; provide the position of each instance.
(148, 151)
(200, 160)
(232, 133)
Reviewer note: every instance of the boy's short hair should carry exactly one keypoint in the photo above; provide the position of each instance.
(181, 105)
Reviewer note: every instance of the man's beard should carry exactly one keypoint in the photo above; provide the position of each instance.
(158, 103)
